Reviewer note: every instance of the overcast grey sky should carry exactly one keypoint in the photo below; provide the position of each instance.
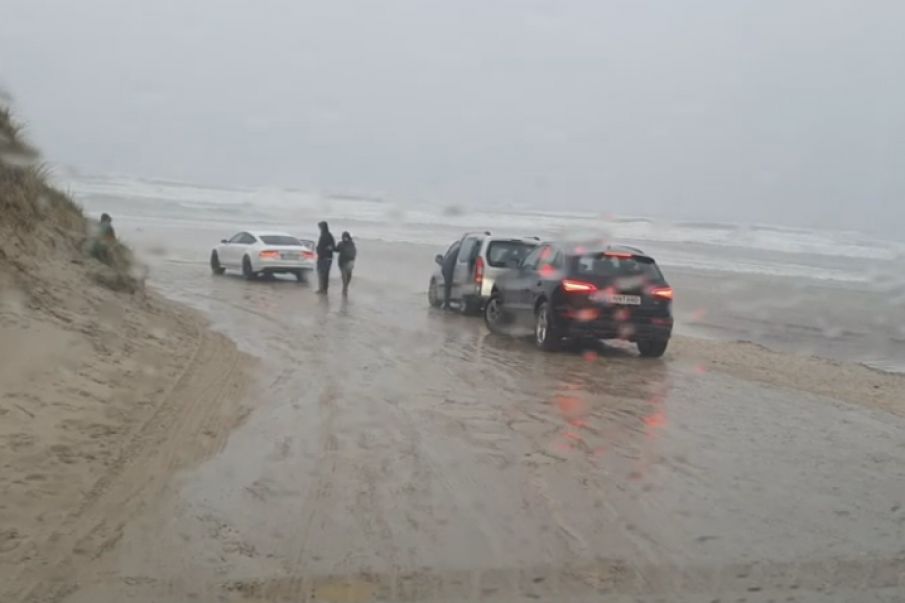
(786, 111)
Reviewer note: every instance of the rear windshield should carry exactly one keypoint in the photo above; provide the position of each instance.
(607, 266)
(507, 253)
(281, 240)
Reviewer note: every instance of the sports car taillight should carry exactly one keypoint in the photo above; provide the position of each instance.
(269, 254)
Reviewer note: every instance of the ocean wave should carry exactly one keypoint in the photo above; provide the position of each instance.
(420, 223)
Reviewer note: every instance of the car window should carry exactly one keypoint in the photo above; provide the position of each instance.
(603, 265)
(531, 261)
(549, 257)
(507, 253)
(247, 239)
(237, 238)
(469, 250)
(281, 240)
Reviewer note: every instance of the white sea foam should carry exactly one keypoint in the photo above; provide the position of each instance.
(761, 249)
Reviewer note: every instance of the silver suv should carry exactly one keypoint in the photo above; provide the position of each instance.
(481, 259)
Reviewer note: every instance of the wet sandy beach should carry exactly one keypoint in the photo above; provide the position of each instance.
(396, 453)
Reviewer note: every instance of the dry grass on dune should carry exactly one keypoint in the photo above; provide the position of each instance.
(41, 228)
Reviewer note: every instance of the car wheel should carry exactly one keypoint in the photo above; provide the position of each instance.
(247, 270)
(216, 268)
(652, 348)
(432, 297)
(546, 334)
(495, 315)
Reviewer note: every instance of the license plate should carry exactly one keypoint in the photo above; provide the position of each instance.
(289, 256)
(616, 298)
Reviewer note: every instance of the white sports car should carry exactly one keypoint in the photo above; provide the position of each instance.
(256, 253)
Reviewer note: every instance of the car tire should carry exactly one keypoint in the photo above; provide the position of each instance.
(432, 297)
(652, 348)
(247, 271)
(495, 316)
(546, 334)
(216, 267)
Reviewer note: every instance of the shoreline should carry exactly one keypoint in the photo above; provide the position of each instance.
(785, 314)
(786, 363)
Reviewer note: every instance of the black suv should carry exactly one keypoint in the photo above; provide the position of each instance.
(579, 292)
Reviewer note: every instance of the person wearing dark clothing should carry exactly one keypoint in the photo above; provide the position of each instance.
(347, 252)
(104, 239)
(325, 247)
(107, 233)
(448, 270)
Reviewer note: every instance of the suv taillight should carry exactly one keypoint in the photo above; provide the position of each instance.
(662, 292)
(573, 286)
(479, 270)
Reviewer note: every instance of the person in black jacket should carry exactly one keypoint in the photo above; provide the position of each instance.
(326, 244)
(347, 252)
(448, 270)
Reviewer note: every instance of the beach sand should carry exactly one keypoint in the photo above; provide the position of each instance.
(100, 402)
(381, 439)
(370, 448)
(400, 453)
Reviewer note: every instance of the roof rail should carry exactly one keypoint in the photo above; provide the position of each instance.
(635, 249)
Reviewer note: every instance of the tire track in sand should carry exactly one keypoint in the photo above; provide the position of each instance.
(318, 494)
(193, 420)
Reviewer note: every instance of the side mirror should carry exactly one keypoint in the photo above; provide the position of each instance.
(224, 241)
(439, 259)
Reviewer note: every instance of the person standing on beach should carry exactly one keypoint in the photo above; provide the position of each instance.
(347, 252)
(326, 244)
(448, 271)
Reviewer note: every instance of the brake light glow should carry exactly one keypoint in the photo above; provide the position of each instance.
(662, 292)
(269, 254)
(308, 255)
(479, 270)
(619, 254)
(570, 286)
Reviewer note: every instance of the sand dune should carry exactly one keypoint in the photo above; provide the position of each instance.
(105, 388)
